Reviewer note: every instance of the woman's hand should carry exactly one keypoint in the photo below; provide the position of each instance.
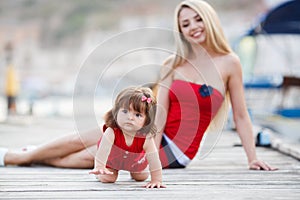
(101, 171)
(260, 165)
(154, 184)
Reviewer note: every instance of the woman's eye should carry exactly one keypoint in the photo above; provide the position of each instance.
(124, 111)
(185, 25)
(198, 19)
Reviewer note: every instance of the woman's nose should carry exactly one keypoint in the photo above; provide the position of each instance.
(193, 25)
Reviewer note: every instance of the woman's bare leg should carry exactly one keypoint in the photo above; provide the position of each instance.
(83, 159)
(58, 148)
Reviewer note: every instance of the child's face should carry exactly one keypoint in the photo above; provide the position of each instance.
(129, 120)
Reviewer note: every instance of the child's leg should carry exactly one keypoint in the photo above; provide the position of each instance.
(140, 176)
(109, 178)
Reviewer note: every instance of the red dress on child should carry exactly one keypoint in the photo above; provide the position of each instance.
(192, 107)
(123, 157)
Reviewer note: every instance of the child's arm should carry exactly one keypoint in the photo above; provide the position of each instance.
(154, 164)
(103, 153)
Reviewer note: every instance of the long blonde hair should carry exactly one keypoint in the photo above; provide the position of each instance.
(215, 37)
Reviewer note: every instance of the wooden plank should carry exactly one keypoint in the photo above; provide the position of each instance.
(221, 174)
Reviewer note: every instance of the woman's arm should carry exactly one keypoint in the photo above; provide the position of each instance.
(154, 164)
(241, 116)
(103, 153)
(162, 104)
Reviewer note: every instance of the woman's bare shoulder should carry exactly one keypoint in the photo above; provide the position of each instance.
(230, 61)
(230, 58)
(167, 66)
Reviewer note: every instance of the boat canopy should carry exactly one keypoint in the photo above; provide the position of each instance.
(282, 19)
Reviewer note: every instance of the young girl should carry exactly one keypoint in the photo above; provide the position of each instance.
(127, 142)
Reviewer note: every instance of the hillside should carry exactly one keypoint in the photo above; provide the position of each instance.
(63, 22)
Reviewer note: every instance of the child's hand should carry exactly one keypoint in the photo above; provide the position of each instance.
(101, 171)
(154, 184)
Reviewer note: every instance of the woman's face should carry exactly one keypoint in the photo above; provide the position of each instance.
(191, 26)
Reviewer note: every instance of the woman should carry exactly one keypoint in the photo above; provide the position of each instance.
(203, 58)
(191, 96)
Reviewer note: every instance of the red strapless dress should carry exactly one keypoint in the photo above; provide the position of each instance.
(192, 108)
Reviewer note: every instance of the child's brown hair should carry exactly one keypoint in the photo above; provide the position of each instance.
(142, 100)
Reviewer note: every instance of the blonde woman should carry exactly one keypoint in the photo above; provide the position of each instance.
(194, 85)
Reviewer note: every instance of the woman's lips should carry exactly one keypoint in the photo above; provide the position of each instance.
(196, 34)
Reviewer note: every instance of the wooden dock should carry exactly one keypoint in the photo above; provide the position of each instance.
(223, 174)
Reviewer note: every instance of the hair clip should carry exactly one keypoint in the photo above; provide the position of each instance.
(144, 98)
